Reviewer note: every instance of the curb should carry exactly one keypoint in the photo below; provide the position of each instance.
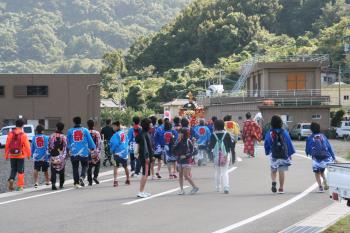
(321, 220)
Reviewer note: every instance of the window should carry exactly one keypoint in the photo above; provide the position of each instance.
(2, 91)
(346, 97)
(52, 123)
(27, 129)
(23, 91)
(37, 90)
(306, 126)
(296, 82)
(316, 117)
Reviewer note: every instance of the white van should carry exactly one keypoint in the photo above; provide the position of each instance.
(28, 129)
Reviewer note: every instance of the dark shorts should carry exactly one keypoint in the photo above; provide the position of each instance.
(145, 167)
(120, 161)
(158, 156)
(319, 170)
(41, 166)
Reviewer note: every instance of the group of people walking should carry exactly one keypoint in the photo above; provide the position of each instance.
(150, 142)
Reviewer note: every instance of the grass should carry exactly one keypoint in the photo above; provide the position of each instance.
(348, 156)
(342, 226)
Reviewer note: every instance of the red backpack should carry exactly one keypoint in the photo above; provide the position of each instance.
(16, 144)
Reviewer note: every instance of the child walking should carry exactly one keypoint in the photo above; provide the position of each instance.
(40, 155)
(58, 154)
(319, 148)
(184, 151)
(222, 146)
(279, 148)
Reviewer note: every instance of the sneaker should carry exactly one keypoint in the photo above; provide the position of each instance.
(19, 189)
(153, 177)
(280, 191)
(127, 182)
(226, 191)
(10, 185)
(96, 180)
(181, 192)
(194, 190)
(61, 187)
(115, 183)
(54, 188)
(132, 174)
(147, 194)
(77, 186)
(320, 189)
(273, 188)
(175, 176)
(81, 182)
(90, 184)
(158, 176)
(141, 195)
(326, 187)
(47, 183)
(171, 177)
(36, 185)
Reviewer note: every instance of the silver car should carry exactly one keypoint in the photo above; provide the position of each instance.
(301, 131)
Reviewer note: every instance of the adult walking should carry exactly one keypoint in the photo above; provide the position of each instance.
(251, 135)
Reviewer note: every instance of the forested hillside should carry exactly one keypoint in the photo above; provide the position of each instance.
(212, 36)
(72, 35)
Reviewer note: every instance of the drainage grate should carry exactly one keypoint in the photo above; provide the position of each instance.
(302, 229)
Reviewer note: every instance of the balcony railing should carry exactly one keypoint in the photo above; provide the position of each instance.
(264, 93)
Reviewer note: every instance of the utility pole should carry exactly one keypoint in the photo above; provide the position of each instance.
(339, 86)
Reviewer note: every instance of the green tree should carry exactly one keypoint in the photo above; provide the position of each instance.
(135, 98)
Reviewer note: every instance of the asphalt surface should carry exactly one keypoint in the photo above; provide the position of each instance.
(250, 207)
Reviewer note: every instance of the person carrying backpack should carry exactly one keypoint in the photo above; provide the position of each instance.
(319, 148)
(278, 146)
(80, 145)
(58, 155)
(40, 155)
(95, 154)
(157, 156)
(170, 139)
(17, 148)
(184, 151)
(133, 132)
(222, 146)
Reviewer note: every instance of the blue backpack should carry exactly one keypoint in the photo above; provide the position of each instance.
(279, 146)
(319, 150)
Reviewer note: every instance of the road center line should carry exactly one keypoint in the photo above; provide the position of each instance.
(153, 196)
(269, 211)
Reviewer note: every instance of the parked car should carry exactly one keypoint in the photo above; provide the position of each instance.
(28, 129)
(300, 131)
(344, 130)
(338, 181)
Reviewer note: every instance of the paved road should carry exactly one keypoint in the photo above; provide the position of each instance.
(250, 206)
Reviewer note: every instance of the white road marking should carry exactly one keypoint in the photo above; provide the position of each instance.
(239, 159)
(153, 196)
(43, 187)
(49, 193)
(269, 211)
(303, 156)
(232, 169)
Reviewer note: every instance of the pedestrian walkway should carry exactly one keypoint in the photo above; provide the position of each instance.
(321, 220)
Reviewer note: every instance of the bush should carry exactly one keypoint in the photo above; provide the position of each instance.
(124, 116)
(330, 133)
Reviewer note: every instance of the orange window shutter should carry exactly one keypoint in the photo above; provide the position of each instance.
(292, 82)
(301, 82)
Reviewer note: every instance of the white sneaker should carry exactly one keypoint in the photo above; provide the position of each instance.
(147, 194)
(181, 192)
(77, 186)
(143, 195)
